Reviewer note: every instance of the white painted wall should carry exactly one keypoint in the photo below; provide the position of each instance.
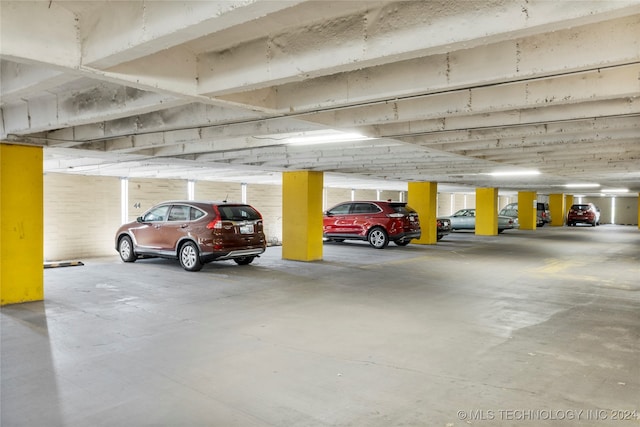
(81, 215)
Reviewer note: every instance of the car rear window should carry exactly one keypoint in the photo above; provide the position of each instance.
(238, 213)
(401, 208)
(580, 207)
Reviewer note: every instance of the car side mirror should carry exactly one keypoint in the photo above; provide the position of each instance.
(327, 213)
(139, 219)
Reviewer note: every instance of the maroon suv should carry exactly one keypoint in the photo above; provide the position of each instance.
(195, 233)
(374, 221)
(585, 213)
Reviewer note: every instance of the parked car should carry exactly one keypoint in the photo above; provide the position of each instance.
(584, 213)
(443, 227)
(543, 214)
(377, 222)
(195, 233)
(465, 219)
(511, 211)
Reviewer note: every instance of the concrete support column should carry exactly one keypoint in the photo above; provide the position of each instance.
(423, 197)
(22, 224)
(527, 210)
(568, 201)
(638, 211)
(302, 215)
(557, 209)
(487, 211)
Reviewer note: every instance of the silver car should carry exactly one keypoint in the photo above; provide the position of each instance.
(543, 214)
(465, 219)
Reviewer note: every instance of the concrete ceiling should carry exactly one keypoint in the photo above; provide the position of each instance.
(445, 91)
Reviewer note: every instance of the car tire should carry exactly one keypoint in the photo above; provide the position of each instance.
(189, 257)
(594, 223)
(378, 238)
(402, 242)
(245, 260)
(125, 249)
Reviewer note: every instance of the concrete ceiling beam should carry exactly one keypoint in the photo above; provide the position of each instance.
(574, 49)
(41, 41)
(546, 132)
(127, 31)
(387, 34)
(607, 84)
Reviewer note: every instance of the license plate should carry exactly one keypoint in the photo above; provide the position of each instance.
(246, 229)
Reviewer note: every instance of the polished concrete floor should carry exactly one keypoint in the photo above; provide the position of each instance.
(525, 328)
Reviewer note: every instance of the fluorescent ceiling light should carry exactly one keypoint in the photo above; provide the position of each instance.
(585, 185)
(326, 137)
(514, 173)
(615, 190)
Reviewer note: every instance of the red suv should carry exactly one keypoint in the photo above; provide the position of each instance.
(374, 221)
(195, 233)
(586, 213)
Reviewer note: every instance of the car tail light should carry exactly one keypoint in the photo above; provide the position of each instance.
(216, 224)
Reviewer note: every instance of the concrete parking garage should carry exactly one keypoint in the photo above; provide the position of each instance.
(107, 108)
(517, 329)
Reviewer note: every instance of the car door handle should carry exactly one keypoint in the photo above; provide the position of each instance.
(184, 225)
(156, 226)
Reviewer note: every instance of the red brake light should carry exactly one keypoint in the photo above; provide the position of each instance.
(214, 225)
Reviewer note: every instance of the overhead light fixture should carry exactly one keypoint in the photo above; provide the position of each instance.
(582, 185)
(614, 190)
(514, 173)
(325, 137)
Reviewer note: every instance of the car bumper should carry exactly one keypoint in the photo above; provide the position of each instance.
(406, 236)
(238, 253)
(581, 220)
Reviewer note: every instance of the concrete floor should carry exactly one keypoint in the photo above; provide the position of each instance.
(526, 328)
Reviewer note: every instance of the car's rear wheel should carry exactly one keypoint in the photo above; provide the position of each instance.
(190, 257)
(378, 238)
(245, 260)
(125, 249)
(402, 242)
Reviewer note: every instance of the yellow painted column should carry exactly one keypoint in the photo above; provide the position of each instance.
(22, 224)
(302, 215)
(487, 211)
(568, 201)
(423, 197)
(557, 209)
(527, 210)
